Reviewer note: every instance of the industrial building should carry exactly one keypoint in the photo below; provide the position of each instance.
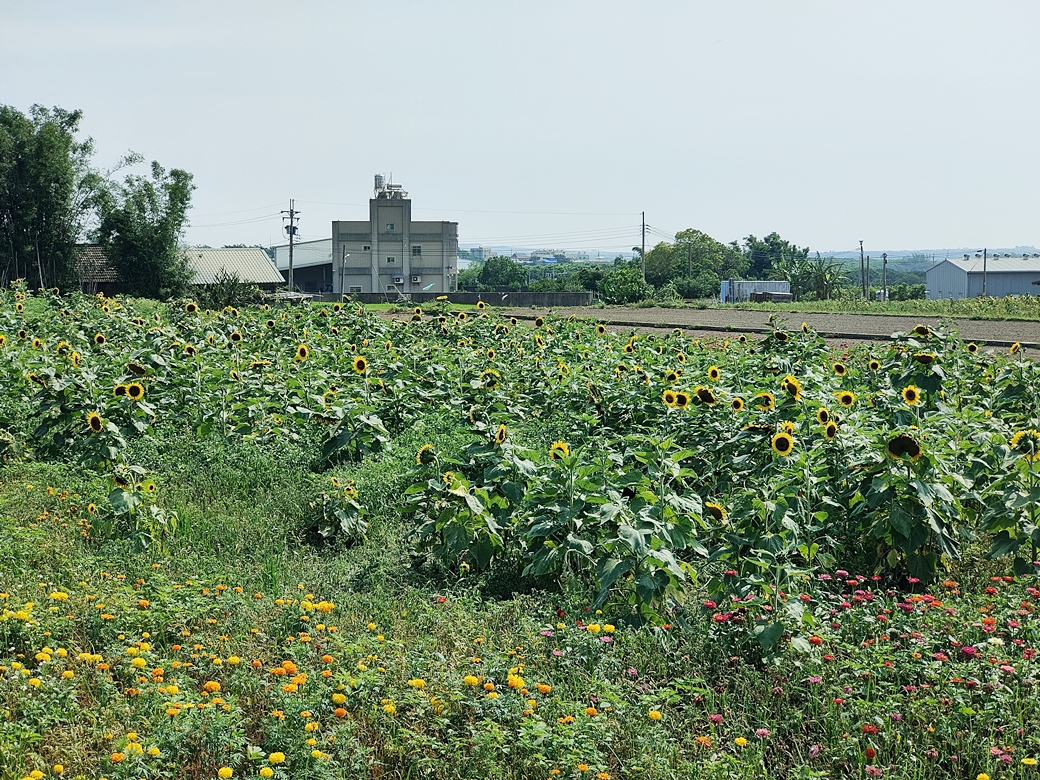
(312, 264)
(972, 275)
(390, 253)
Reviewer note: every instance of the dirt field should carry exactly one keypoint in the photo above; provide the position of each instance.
(850, 328)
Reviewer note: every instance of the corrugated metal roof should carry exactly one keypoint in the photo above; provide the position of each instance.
(93, 265)
(251, 264)
(997, 265)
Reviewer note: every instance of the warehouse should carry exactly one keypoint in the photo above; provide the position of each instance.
(973, 275)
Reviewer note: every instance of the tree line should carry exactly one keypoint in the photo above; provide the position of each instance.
(53, 198)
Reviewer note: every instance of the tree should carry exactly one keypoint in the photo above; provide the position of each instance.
(694, 264)
(771, 252)
(502, 272)
(624, 284)
(47, 190)
(142, 221)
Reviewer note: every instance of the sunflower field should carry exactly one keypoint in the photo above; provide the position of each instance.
(320, 542)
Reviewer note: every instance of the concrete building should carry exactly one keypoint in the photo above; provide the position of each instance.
(961, 277)
(392, 254)
(312, 264)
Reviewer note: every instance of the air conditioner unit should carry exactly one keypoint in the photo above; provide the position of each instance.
(416, 279)
(398, 280)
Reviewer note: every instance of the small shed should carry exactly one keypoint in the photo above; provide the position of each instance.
(95, 270)
(250, 264)
(957, 277)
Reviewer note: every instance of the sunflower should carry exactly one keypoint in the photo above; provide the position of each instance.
(489, 378)
(490, 354)
(472, 414)
(823, 415)
(302, 352)
(782, 443)
(136, 368)
(37, 343)
(681, 357)
(792, 386)
(742, 339)
(461, 315)
(24, 334)
(234, 375)
(74, 357)
(922, 330)
(737, 404)
(714, 374)
(924, 358)
(830, 430)
(780, 336)
(480, 305)
(18, 307)
(95, 422)
(1014, 348)
(360, 365)
(513, 321)
(765, 401)
(539, 321)
(669, 398)
(559, 449)
(236, 337)
(189, 350)
(99, 338)
(874, 365)
(805, 327)
(269, 323)
(629, 349)
(846, 398)
(705, 395)
(119, 391)
(787, 425)
(904, 445)
(840, 369)
(500, 434)
(258, 364)
(671, 377)
(538, 340)
(1028, 443)
(972, 347)
(337, 307)
(191, 307)
(426, 455)
(211, 340)
(911, 395)
(601, 329)
(3, 340)
(715, 510)
(135, 391)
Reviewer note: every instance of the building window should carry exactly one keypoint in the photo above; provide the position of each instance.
(391, 260)
(391, 288)
(416, 251)
(354, 289)
(366, 248)
(389, 227)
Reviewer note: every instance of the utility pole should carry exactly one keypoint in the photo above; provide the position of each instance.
(984, 258)
(884, 277)
(643, 252)
(689, 260)
(862, 273)
(291, 229)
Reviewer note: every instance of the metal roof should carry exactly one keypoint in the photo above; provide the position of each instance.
(93, 265)
(251, 264)
(997, 265)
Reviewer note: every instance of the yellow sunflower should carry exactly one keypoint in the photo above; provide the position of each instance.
(539, 321)
(601, 329)
(765, 401)
(489, 378)
(780, 336)
(490, 354)
(500, 434)
(99, 338)
(417, 311)
(1028, 443)
(135, 391)
(360, 365)
(119, 391)
(426, 455)
(714, 374)
(904, 445)
(705, 395)
(681, 357)
(972, 347)
(737, 404)
(911, 395)
(1014, 348)
(922, 330)
(715, 510)
(559, 449)
(830, 430)
(924, 358)
(840, 369)
(95, 422)
(682, 400)
(191, 307)
(823, 415)
(668, 397)
(302, 352)
(846, 398)
(792, 386)
(874, 365)
(782, 443)
(480, 304)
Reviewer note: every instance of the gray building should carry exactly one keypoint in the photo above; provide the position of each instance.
(961, 277)
(312, 264)
(392, 254)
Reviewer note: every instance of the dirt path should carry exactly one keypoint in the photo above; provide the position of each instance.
(844, 327)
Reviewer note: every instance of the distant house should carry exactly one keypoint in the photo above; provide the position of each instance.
(250, 264)
(957, 277)
(95, 270)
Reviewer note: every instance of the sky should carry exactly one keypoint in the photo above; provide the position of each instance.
(556, 124)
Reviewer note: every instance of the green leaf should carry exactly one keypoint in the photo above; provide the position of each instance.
(768, 635)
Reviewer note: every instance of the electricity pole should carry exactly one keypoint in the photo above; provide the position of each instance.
(884, 277)
(291, 229)
(985, 253)
(862, 273)
(643, 252)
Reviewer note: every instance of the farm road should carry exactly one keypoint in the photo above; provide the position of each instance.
(849, 327)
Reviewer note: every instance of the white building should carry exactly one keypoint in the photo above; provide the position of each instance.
(962, 277)
(390, 253)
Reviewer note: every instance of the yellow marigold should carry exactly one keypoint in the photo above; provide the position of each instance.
(654, 715)
(276, 758)
(225, 772)
(471, 680)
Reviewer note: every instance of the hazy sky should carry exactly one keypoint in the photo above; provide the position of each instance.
(553, 124)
